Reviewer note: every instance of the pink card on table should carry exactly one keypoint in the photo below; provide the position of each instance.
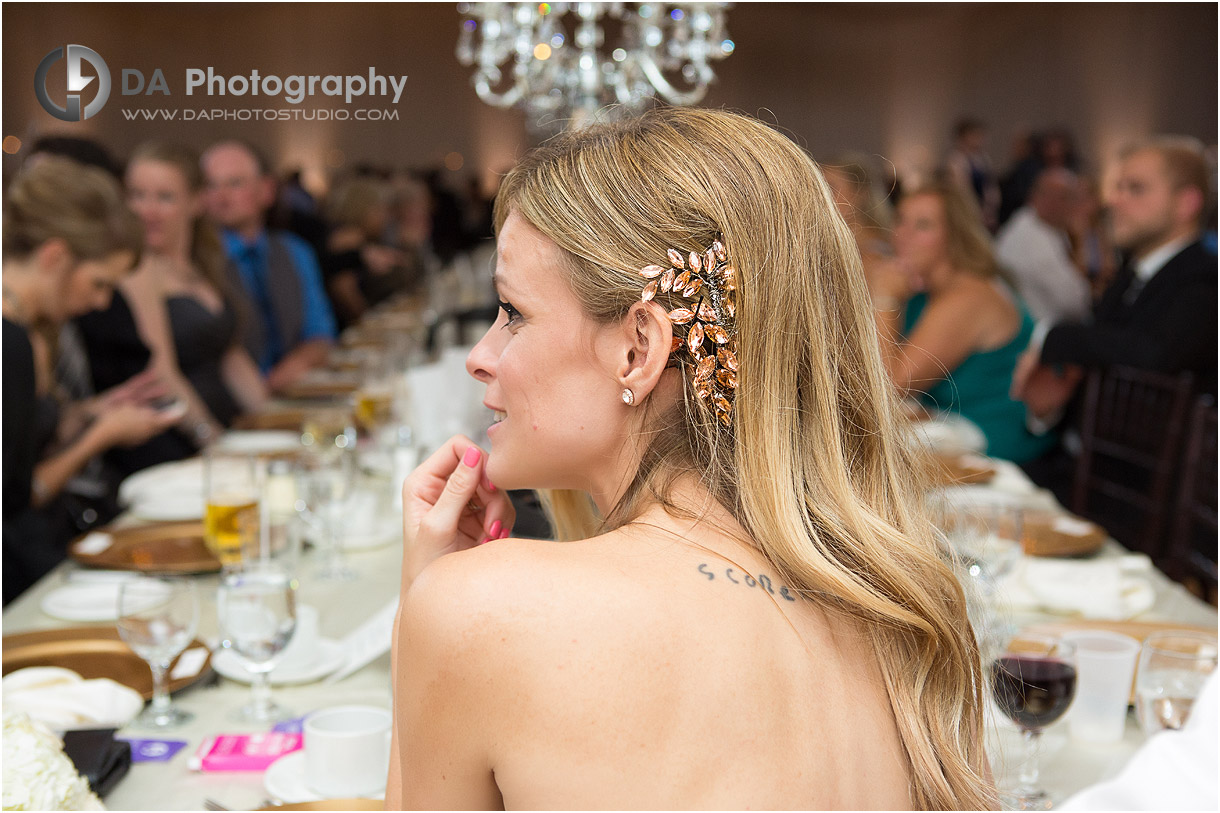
(244, 752)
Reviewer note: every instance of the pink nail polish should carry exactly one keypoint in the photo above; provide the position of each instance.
(490, 485)
(504, 534)
(494, 533)
(472, 456)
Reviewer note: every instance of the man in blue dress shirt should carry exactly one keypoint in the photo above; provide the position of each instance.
(279, 271)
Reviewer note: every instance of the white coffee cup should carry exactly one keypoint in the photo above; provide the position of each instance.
(347, 751)
(1105, 670)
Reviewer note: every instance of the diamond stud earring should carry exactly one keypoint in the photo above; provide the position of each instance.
(628, 397)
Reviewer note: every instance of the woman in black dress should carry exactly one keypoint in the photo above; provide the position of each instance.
(68, 241)
(185, 307)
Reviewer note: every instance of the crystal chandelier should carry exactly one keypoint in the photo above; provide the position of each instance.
(562, 62)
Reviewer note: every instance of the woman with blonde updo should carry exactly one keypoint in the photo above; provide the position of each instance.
(750, 609)
(68, 241)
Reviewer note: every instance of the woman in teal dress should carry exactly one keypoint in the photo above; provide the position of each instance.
(955, 329)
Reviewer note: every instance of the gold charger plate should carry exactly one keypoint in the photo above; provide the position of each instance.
(320, 389)
(279, 419)
(953, 470)
(333, 804)
(1039, 537)
(165, 547)
(91, 652)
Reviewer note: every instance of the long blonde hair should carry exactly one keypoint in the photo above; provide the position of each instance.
(815, 467)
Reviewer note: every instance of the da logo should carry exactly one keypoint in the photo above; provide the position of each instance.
(76, 83)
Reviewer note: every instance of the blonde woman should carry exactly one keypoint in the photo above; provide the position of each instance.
(750, 610)
(952, 327)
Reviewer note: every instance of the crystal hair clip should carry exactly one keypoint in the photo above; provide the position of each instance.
(701, 292)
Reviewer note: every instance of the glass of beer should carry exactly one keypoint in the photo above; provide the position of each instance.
(231, 488)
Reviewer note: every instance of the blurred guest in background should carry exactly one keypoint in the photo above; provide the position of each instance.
(954, 328)
(293, 327)
(969, 167)
(863, 207)
(361, 270)
(1160, 311)
(1037, 247)
(1096, 252)
(184, 297)
(68, 241)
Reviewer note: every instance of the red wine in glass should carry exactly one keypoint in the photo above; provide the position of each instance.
(1034, 692)
(1033, 682)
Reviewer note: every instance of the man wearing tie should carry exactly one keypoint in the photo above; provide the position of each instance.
(1160, 311)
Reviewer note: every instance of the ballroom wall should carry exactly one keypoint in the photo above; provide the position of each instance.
(887, 79)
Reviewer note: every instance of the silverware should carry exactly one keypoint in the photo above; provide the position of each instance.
(212, 804)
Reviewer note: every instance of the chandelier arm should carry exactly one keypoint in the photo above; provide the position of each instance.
(671, 94)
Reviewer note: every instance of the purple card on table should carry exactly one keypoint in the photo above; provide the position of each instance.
(143, 750)
(294, 726)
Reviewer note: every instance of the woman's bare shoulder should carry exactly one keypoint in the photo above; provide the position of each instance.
(522, 587)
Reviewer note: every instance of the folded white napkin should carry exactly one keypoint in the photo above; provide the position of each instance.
(1101, 588)
(61, 699)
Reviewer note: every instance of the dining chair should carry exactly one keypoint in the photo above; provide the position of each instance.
(1130, 441)
(1191, 558)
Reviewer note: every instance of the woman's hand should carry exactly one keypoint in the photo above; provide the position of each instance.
(450, 505)
(131, 425)
(890, 284)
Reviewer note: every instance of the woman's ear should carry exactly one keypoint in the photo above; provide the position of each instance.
(54, 257)
(647, 337)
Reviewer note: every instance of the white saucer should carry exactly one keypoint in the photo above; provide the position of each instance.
(259, 441)
(386, 532)
(168, 509)
(329, 656)
(284, 779)
(83, 602)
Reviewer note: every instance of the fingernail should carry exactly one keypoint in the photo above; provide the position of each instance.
(494, 533)
(489, 484)
(472, 456)
(484, 540)
(504, 534)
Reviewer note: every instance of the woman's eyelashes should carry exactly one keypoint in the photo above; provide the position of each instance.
(512, 313)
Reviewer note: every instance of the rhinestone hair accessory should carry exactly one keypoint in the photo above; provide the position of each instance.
(699, 292)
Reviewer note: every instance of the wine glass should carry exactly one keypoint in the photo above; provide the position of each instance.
(324, 483)
(257, 610)
(1173, 667)
(1033, 682)
(157, 619)
(328, 431)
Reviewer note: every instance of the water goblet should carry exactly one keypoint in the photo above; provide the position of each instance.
(324, 483)
(257, 612)
(1033, 682)
(1173, 667)
(157, 619)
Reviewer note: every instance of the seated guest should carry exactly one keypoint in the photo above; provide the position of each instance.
(867, 214)
(184, 304)
(951, 328)
(1036, 248)
(68, 241)
(293, 327)
(1160, 311)
(361, 271)
(757, 612)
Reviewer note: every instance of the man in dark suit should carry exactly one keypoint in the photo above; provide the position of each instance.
(1160, 311)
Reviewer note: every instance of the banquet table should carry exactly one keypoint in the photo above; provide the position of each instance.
(1068, 765)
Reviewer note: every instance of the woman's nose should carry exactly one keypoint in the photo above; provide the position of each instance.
(480, 363)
